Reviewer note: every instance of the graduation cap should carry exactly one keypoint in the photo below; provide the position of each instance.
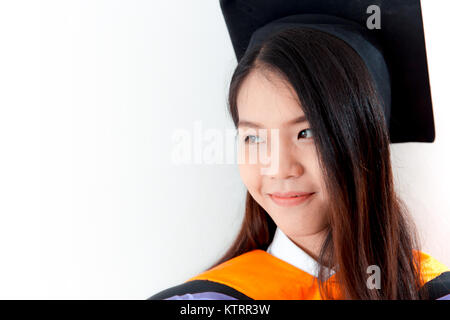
(393, 48)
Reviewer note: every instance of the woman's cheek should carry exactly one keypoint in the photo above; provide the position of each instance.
(250, 176)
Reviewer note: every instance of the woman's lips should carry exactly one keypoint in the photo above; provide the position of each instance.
(290, 199)
(290, 194)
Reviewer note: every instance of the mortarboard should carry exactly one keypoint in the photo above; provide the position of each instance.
(395, 53)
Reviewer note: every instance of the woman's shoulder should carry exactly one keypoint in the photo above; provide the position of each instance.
(203, 287)
(436, 276)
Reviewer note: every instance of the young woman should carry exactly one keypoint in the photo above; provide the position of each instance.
(327, 223)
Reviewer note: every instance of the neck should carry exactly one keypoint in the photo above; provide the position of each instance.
(311, 243)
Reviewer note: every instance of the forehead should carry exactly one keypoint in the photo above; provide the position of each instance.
(266, 98)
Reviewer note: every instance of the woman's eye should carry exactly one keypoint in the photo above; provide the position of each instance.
(251, 139)
(302, 134)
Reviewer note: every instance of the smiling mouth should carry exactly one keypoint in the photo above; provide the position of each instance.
(290, 194)
(290, 200)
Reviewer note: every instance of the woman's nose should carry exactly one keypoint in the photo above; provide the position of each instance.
(284, 160)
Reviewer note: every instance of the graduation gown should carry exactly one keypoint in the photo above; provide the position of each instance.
(283, 272)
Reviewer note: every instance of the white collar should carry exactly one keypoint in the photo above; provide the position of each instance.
(285, 249)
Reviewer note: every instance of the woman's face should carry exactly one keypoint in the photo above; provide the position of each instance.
(271, 103)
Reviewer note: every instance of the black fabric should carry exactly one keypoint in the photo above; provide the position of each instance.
(197, 286)
(352, 33)
(439, 286)
(400, 39)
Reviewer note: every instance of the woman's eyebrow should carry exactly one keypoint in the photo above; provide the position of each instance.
(245, 123)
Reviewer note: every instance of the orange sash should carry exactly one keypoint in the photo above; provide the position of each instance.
(262, 276)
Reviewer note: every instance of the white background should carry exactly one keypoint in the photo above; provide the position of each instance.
(91, 206)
